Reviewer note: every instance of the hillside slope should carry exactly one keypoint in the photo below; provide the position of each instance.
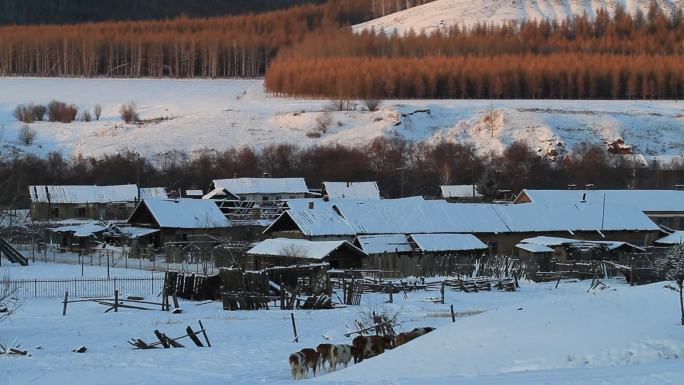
(219, 114)
(441, 14)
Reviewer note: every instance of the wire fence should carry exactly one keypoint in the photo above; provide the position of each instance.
(83, 287)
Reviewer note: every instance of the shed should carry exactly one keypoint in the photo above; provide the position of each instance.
(264, 189)
(286, 252)
(460, 192)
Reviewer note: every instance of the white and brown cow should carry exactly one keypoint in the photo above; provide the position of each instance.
(340, 354)
(311, 358)
(298, 365)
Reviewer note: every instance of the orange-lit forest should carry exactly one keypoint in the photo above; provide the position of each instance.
(609, 57)
(229, 46)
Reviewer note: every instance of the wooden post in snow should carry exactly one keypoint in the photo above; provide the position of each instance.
(391, 300)
(294, 328)
(116, 300)
(441, 291)
(453, 316)
(66, 299)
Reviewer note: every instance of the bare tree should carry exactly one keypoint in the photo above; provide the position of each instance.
(61, 112)
(98, 111)
(323, 122)
(129, 112)
(27, 135)
(86, 116)
(341, 105)
(293, 251)
(672, 268)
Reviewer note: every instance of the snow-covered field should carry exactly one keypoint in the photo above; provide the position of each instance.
(219, 114)
(537, 335)
(439, 15)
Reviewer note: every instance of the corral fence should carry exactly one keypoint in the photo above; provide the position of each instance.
(83, 287)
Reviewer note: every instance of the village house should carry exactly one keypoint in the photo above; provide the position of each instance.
(351, 190)
(418, 254)
(264, 189)
(664, 207)
(178, 219)
(88, 202)
(500, 226)
(287, 252)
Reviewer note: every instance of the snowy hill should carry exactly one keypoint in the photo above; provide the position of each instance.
(219, 114)
(441, 14)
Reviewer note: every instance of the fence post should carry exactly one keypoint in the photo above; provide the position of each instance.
(107, 266)
(441, 290)
(391, 300)
(453, 316)
(294, 328)
(35, 288)
(66, 298)
(116, 301)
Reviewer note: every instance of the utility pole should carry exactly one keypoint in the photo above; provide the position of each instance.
(137, 174)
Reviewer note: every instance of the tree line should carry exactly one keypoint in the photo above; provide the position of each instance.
(182, 47)
(608, 57)
(399, 166)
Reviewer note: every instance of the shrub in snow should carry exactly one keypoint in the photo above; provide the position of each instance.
(672, 268)
(29, 113)
(129, 112)
(27, 135)
(323, 122)
(98, 111)
(488, 185)
(8, 302)
(86, 116)
(372, 104)
(61, 112)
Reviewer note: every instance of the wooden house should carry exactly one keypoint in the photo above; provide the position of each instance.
(460, 193)
(177, 219)
(264, 189)
(288, 252)
(88, 202)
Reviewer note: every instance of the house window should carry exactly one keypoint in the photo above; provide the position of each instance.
(81, 212)
(264, 198)
(54, 212)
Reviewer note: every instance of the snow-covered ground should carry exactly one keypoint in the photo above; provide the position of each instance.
(439, 15)
(537, 335)
(219, 114)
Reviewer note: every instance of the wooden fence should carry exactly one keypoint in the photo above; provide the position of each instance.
(84, 287)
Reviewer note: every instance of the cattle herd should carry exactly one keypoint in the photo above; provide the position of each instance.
(362, 347)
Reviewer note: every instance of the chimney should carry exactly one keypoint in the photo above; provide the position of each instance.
(311, 205)
(347, 184)
(584, 198)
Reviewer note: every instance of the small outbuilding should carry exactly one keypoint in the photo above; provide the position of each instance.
(288, 252)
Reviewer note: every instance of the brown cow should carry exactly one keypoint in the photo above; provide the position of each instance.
(324, 354)
(311, 359)
(370, 346)
(403, 338)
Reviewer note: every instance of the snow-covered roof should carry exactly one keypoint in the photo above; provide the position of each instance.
(644, 200)
(419, 216)
(184, 213)
(459, 191)
(239, 186)
(220, 193)
(153, 192)
(384, 243)
(86, 229)
(137, 232)
(353, 190)
(672, 239)
(447, 242)
(300, 248)
(83, 194)
(558, 241)
(534, 248)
